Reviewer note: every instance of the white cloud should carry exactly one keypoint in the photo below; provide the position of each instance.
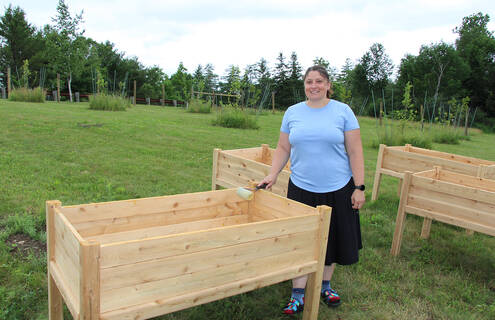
(224, 32)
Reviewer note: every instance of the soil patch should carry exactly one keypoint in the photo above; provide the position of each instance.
(22, 244)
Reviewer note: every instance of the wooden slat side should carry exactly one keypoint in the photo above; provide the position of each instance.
(268, 201)
(466, 180)
(451, 156)
(157, 231)
(69, 297)
(254, 154)
(67, 255)
(230, 179)
(489, 173)
(164, 306)
(193, 282)
(456, 212)
(133, 207)
(55, 298)
(160, 269)
(121, 224)
(452, 198)
(454, 189)
(90, 280)
(244, 167)
(445, 218)
(136, 251)
(400, 161)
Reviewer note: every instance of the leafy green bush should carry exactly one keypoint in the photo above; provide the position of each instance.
(399, 137)
(199, 106)
(108, 102)
(233, 117)
(28, 95)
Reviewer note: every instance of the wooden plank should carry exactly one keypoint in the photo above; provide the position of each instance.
(135, 251)
(164, 306)
(90, 280)
(445, 218)
(456, 212)
(55, 304)
(453, 199)
(193, 282)
(454, 189)
(489, 173)
(313, 287)
(61, 282)
(466, 180)
(269, 201)
(160, 269)
(254, 154)
(67, 254)
(418, 162)
(134, 207)
(157, 231)
(245, 167)
(121, 224)
(401, 215)
(451, 156)
(214, 173)
(378, 173)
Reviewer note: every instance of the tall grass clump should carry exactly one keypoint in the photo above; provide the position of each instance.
(235, 117)
(28, 95)
(108, 102)
(390, 137)
(199, 106)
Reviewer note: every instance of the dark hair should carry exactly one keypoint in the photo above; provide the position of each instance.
(324, 73)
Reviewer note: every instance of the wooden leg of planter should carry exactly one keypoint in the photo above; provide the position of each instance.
(55, 302)
(90, 280)
(216, 153)
(399, 188)
(313, 286)
(401, 215)
(425, 231)
(378, 173)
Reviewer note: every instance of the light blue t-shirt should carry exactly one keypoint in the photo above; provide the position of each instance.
(318, 159)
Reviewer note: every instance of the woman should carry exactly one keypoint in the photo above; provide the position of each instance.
(322, 138)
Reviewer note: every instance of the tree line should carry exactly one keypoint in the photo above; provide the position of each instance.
(440, 78)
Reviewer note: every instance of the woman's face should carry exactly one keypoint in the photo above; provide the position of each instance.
(316, 86)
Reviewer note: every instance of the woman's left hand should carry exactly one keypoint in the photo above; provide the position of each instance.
(358, 199)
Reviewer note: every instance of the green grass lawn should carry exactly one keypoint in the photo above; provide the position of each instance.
(76, 155)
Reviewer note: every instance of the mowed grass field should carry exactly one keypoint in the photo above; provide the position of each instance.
(76, 155)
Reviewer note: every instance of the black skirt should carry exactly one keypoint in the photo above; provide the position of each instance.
(344, 239)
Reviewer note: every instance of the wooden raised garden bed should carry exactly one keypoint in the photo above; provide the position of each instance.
(137, 259)
(449, 197)
(240, 167)
(394, 161)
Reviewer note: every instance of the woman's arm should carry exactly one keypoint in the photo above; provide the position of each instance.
(354, 148)
(279, 160)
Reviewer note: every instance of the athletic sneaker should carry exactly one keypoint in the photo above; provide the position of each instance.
(331, 298)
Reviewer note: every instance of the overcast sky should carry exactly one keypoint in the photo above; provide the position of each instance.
(241, 32)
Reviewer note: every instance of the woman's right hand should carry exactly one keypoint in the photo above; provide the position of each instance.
(269, 180)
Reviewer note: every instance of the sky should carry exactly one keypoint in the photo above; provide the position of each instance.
(240, 32)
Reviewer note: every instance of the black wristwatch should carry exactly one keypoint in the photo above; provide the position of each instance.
(361, 187)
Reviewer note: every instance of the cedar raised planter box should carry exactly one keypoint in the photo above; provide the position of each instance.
(137, 259)
(240, 167)
(394, 161)
(457, 199)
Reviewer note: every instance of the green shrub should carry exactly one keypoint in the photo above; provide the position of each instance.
(398, 137)
(28, 95)
(108, 102)
(233, 117)
(199, 106)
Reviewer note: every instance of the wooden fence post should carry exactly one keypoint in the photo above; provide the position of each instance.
(163, 94)
(134, 93)
(58, 87)
(466, 122)
(9, 88)
(273, 102)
